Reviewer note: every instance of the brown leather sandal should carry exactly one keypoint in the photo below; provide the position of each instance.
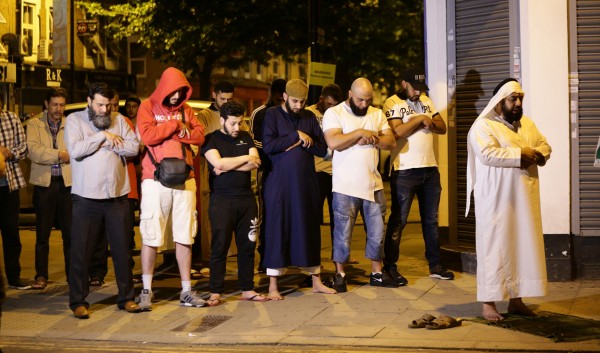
(422, 321)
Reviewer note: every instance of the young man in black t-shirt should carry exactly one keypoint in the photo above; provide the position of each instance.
(231, 155)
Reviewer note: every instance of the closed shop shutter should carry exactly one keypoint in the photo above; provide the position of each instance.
(585, 68)
(483, 56)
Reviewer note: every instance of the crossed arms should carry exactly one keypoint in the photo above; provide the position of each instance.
(242, 163)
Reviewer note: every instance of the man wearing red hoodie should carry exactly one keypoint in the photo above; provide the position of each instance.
(165, 122)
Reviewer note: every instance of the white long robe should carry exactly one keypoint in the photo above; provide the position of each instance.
(510, 245)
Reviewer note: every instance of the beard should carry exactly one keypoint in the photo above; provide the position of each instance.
(233, 134)
(100, 121)
(414, 98)
(512, 115)
(291, 111)
(56, 117)
(175, 103)
(356, 110)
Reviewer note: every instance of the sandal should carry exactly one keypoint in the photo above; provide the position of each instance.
(422, 321)
(96, 282)
(443, 322)
(256, 298)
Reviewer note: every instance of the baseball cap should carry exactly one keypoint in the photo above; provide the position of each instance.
(416, 77)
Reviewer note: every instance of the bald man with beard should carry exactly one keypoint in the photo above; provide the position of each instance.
(356, 131)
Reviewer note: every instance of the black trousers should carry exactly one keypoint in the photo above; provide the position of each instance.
(260, 177)
(98, 265)
(10, 205)
(89, 215)
(326, 193)
(98, 261)
(53, 204)
(228, 216)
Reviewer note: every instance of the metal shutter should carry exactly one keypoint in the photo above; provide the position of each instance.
(482, 53)
(585, 90)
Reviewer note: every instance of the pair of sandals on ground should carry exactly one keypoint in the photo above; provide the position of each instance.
(430, 322)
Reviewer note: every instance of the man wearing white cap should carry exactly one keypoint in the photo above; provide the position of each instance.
(505, 149)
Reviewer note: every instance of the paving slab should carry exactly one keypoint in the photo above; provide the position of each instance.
(369, 318)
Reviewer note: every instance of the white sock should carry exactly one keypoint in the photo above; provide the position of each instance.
(186, 286)
(147, 280)
(342, 273)
(376, 273)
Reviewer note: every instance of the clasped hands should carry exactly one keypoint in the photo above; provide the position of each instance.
(368, 138)
(114, 140)
(305, 141)
(530, 156)
(185, 131)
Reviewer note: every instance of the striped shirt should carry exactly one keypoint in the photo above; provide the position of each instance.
(12, 136)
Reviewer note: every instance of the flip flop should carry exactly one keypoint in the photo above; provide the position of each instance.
(443, 322)
(422, 321)
(256, 298)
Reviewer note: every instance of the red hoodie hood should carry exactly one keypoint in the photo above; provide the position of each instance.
(171, 80)
(159, 126)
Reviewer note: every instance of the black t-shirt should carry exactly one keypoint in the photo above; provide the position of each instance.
(234, 183)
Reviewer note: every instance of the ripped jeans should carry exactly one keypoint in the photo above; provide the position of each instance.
(345, 211)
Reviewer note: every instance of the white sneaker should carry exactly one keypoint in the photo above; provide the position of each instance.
(145, 300)
(191, 298)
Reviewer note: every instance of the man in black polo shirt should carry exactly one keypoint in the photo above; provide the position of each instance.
(231, 155)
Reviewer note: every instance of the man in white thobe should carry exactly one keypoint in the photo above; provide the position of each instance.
(505, 149)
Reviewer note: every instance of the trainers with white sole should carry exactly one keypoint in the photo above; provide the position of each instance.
(441, 273)
(382, 280)
(191, 298)
(145, 300)
(19, 284)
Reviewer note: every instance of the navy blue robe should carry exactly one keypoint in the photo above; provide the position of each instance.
(292, 231)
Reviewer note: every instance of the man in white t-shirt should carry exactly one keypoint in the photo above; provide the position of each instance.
(414, 120)
(355, 131)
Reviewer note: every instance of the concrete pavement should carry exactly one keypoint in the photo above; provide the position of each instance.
(366, 318)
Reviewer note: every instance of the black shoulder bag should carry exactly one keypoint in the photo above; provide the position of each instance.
(172, 172)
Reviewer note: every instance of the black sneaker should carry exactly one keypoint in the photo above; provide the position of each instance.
(337, 282)
(441, 273)
(396, 276)
(382, 280)
(19, 284)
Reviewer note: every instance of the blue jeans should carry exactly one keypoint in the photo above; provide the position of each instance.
(345, 210)
(405, 184)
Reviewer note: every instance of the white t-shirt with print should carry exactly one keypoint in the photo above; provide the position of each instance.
(415, 151)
